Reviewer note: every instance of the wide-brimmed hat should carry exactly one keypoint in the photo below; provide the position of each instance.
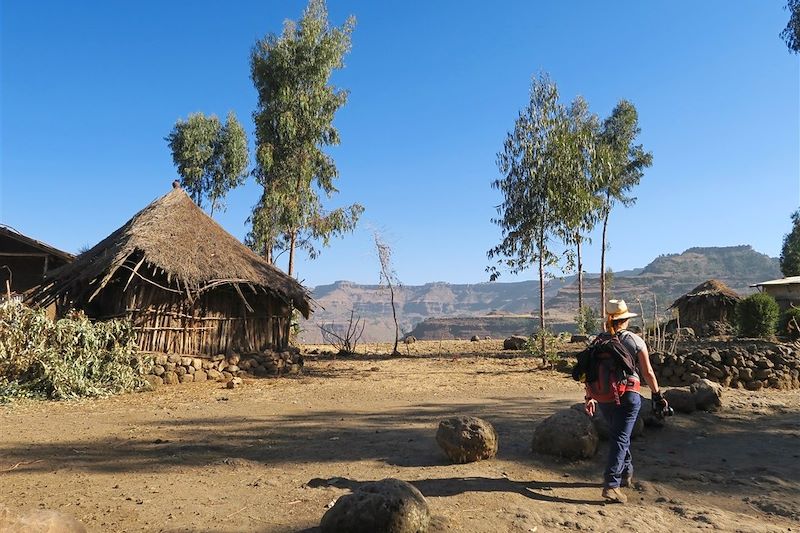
(618, 310)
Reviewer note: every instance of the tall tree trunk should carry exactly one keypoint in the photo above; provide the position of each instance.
(394, 316)
(291, 251)
(603, 272)
(580, 274)
(541, 304)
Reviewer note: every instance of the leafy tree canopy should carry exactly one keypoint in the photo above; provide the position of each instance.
(791, 33)
(294, 122)
(211, 157)
(790, 252)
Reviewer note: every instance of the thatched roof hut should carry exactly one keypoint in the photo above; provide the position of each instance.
(25, 261)
(711, 301)
(187, 285)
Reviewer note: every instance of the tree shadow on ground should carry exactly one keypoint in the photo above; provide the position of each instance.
(701, 452)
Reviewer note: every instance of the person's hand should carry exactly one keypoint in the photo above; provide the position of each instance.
(660, 405)
(590, 407)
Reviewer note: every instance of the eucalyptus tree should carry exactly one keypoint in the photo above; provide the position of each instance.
(790, 251)
(211, 157)
(579, 144)
(536, 187)
(791, 33)
(618, 167)
(294, 123)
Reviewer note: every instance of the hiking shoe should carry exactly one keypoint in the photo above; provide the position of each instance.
(614, 495)
(627, 481)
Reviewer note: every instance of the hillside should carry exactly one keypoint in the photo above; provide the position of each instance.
(667, 277)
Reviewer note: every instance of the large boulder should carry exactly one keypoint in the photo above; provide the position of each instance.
(515, 342)
(566, 433)
(707, 395)
(681, 399)
(389, 506)
(601, 426)
(466, 439)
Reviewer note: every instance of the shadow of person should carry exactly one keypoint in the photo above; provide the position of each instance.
(441, 487)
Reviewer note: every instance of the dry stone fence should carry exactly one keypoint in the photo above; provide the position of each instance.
(170, 369)
(752, 364)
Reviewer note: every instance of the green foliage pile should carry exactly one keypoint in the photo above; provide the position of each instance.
(66, 359)
(790, 323)
(757, 315)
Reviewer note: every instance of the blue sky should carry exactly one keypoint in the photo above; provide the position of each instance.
(89, 90)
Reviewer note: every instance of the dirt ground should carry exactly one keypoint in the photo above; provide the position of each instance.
(271, 455)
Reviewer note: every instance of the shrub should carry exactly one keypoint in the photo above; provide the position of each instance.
(587, 320)
(534, 346)
(790, 323)
(757, 315)
(69, 358)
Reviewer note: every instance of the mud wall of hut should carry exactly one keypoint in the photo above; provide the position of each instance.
(218, 322)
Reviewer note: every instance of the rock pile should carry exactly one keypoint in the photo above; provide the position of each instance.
(746, 363)
(170, 369)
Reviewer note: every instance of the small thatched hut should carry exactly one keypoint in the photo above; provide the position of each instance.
(187, 285)
(711, 301)
(24, 261)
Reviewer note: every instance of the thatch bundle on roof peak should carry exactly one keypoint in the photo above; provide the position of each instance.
(171, 256)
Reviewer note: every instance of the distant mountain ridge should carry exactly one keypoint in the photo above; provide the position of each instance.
(665, 278)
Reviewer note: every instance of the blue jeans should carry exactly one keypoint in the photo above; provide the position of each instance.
(621, 419)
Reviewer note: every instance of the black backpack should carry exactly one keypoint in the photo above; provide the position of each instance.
(605, 366)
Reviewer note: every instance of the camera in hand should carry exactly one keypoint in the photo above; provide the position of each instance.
(666, 411)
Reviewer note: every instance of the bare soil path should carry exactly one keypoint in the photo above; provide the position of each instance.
(271, 455)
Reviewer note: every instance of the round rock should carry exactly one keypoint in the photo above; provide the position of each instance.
(388, 506)
(466, 439)
(567, 433)
(515, 342)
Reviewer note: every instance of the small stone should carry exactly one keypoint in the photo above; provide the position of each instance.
(153, 382)
(234, 383)
(170, 378)
(197, 363)
(158, 370)
(174, 358)
(200, 375)
(234, 359)
(161, 359)
(180, 370)
(186, 378)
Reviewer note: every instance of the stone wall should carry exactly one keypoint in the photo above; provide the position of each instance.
(747, 363)
(173, 368)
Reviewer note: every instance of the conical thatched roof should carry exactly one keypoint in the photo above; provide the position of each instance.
(174, 235)
(710, 289)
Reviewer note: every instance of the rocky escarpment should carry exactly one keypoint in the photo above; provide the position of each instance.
(494, 326)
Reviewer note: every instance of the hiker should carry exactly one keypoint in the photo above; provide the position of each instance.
(621, 407)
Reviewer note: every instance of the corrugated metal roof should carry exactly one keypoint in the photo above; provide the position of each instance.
(793, 280)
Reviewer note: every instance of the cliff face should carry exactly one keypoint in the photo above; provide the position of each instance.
(656, 285)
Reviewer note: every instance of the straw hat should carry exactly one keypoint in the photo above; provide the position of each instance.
(618, 310)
